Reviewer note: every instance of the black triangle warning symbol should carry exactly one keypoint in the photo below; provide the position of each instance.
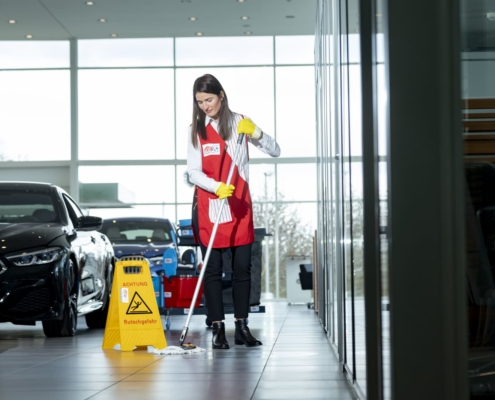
(138, 305)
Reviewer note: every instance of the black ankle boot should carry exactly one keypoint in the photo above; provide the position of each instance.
(243, 334)
(219, 340)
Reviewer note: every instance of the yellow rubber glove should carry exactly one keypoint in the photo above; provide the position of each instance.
(247, 127)
(223, 191)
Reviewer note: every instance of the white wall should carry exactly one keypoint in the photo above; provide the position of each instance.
(32, 172)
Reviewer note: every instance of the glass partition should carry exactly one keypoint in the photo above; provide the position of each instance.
(133, 184)
(478, 122)
(295, 49)
(341, 175)
(185, 190)
(295, 91)
(382, 108)
(34, 115)
(126, 53)
(37, 54)
(256, 50)
(263, 182)
(126, 114)
(294, 181)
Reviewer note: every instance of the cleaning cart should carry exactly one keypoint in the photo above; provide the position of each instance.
(178, 286)
(178, 289)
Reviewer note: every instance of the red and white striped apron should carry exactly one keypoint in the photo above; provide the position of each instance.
(236, 226)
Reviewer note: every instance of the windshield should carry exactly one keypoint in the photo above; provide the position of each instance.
(26, 206)
(135, 231)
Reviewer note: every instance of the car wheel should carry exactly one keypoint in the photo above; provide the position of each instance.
(67, 326)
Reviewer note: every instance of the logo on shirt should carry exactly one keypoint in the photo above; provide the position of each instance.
(211, 149)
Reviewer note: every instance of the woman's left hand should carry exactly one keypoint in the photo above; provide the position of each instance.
(247, 127)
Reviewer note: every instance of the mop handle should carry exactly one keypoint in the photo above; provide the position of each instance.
(210, 244)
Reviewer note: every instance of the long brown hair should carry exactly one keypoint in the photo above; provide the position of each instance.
(209, 84)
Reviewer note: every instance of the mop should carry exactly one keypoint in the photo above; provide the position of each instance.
(188, 348)
(177, 351)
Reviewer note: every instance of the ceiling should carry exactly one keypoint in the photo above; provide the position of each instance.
(65, 19)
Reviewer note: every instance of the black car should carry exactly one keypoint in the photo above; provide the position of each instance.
(54, 264)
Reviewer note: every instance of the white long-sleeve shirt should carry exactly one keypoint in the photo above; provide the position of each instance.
(266, 144)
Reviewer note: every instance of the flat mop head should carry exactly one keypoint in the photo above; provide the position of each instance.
(179, 350)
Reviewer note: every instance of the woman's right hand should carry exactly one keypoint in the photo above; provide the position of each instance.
(224, 191)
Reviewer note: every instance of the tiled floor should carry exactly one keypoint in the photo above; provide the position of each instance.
(295, 362)
(360, 343)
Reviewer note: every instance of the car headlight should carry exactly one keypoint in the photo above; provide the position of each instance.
(155, 261)
(36, 257)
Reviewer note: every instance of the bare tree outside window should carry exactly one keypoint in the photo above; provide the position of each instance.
(295, 237)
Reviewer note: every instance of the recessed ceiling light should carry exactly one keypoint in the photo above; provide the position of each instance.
(248, 33)
(113, 35)
(89, 3)
(29, 36)
(102, 20)
(12, 21)
(199, 33)
(192, 18)
(244, 17)
(241, 1)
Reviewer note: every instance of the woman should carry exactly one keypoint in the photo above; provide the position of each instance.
(212, 140)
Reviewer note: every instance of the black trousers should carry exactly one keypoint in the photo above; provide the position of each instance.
(241, 280)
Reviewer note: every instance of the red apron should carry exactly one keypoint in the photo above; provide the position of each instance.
(216, 163)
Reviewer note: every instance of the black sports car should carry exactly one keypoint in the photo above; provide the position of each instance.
(54, 264)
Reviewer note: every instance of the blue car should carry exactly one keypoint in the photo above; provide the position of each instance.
(152, 238)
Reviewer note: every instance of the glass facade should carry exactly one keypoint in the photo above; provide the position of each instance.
(340, 166)
(116, 112)
(478, 129)
(44, 96)
(118, 107)
(393, 218)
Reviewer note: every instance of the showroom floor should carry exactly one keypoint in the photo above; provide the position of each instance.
(295, 362)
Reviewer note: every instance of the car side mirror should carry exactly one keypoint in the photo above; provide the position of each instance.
(89, 223)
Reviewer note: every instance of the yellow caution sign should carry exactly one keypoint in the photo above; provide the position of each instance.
(133, 317)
